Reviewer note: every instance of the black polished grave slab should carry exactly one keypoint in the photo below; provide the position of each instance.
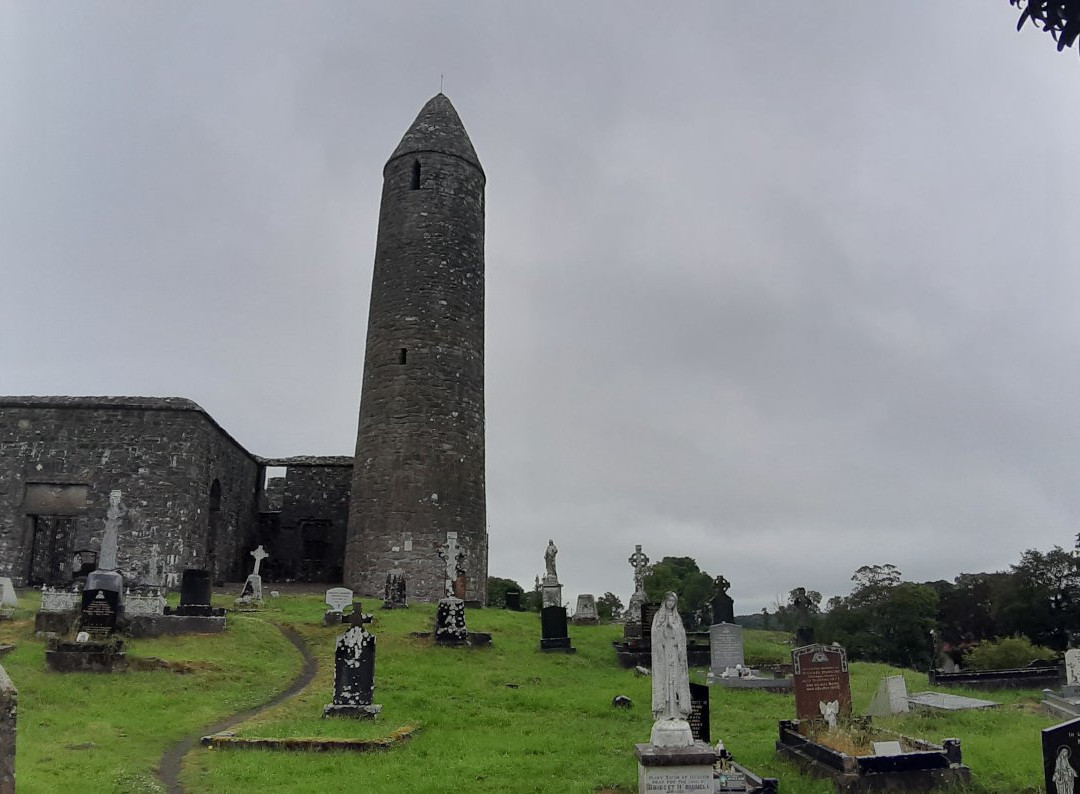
(699, 713)
(1061, 757)
(513, 600)
(196, 590)
(100, 611)
(554, 636)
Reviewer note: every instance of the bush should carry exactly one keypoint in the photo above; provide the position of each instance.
(1005, 654)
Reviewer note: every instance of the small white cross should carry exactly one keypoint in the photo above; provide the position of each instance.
(259, 554)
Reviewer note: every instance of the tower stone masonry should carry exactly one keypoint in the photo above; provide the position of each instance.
(419, 466)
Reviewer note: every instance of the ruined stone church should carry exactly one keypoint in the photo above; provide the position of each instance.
(187, 494)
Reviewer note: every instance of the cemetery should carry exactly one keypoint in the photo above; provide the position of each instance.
(490, 715)
(193, 617)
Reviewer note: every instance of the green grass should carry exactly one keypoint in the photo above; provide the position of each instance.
(105, 733)
(503, 719)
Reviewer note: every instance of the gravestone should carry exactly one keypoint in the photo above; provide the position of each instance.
(699, 713)
(395, 595)
(647, 612)
(721, 604)
(450, 622)
(354, 671)
(725, 647)
(100, 611)
(891, 697)
(195, 593)
(821, 679)
(586, 613)
(513, 600)
(252, 591)
(639, 561)
(1072, 666)
(1061, 757)
(337, 598)
(554, 636)
(8, 597)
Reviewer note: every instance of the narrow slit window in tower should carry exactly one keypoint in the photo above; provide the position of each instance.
(401, 355)
(416, 175)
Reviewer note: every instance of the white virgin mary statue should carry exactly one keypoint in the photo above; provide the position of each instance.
(670, 678)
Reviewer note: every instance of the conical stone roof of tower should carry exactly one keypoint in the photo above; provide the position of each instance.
(437, 128)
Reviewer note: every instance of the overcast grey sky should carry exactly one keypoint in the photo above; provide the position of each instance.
(789, 288)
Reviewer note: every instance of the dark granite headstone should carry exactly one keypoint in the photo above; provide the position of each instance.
(513, 600)
(100, 608)
(195, 587)
(354, 671)
(723, 608)
(554, 636)
(648, 612)
(1061, 757)
(821, 677)
(195, 592)
(804, 635)
(450, 622)
(699, 713)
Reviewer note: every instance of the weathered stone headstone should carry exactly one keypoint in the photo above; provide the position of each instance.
(252, 592)
(554, 636)
(1072, 666)
(354, 671)
(453, 557)
(450, 622)
(1061, 757)
(725, 647)
(821, 679)
(8, 596)
(513, 600)
(891, 697)
(337, 598)
(888, 748)
(8, 708)
(639, 562)
(586, 613)
(395, 595)
(699, 713)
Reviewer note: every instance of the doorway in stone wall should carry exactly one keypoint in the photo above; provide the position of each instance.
(314, 550)
(52, 542)
(213, 526)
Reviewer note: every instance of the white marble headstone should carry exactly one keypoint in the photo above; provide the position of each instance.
(1072, 665)
(337, 598)
(891, 697)
(9, 599)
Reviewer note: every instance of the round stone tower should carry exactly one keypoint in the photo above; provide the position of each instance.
(418, 477)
